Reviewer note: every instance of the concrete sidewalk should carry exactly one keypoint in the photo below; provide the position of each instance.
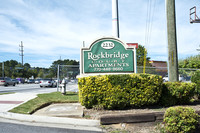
(70, 110)
(10, 101)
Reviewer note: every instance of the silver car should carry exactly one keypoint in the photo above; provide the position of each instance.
(15, 80)
(6, 81)
(47, 83)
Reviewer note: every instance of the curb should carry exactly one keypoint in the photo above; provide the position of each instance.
(130, 118)
(52, 120)
(133, 118)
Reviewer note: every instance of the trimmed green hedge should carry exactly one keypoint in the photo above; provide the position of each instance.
(180, 120)
(120, 91)
(175, 93)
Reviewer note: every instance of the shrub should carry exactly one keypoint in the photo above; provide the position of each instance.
(180, 120)
(196, 79)
(120, 91)
(174, 93)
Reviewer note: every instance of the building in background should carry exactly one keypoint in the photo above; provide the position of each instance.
(160, 67)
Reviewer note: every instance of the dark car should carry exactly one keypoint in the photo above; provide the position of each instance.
(21, 80)
(6, 81)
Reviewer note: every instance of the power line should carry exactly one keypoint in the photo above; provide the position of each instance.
(149, 20)
(149, 24)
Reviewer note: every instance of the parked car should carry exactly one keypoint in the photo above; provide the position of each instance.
(25, 80)
(165, 79)
(73, 80)
(30, 81)
(21, 80)
(6, 81)
(181, 78)
(37, 81)
(56, 80)
(47, 83)
(16, 81)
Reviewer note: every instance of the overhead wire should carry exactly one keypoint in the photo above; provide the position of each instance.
(149, 25)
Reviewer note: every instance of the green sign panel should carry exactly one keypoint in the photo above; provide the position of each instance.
(107, 55)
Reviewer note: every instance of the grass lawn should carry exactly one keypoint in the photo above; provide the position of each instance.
(43, 100)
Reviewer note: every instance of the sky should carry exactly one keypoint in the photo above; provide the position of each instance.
(55, 29)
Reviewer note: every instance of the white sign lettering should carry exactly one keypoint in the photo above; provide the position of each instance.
(103, 55)
(107, 45)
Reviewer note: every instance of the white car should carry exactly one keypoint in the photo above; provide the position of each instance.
(181, 78)
(166, 79)
(37, 81)
(47, 83)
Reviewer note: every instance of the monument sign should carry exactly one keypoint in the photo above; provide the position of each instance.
(108, 55)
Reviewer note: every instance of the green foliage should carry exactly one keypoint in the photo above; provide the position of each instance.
(120, 91)
(190, 62)
(180, 120)
(54, 66)
(196, 79)
(140, 56)
(177, 93)
(11, 69)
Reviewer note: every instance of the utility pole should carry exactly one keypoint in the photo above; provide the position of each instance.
(172, 41)
(58, 77)
(22, 51)
(3, 69)
(115, 18)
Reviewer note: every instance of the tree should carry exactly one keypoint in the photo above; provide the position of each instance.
(190, 62)
(41, 74)
(15, 69)
(54, 67)
(9, 67)
(140, 52)
(27, 66)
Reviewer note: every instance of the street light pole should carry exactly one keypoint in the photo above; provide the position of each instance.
(115, 18)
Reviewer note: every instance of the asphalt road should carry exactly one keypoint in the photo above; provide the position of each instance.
(26, 88)
(34, 88)
(9, 126)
